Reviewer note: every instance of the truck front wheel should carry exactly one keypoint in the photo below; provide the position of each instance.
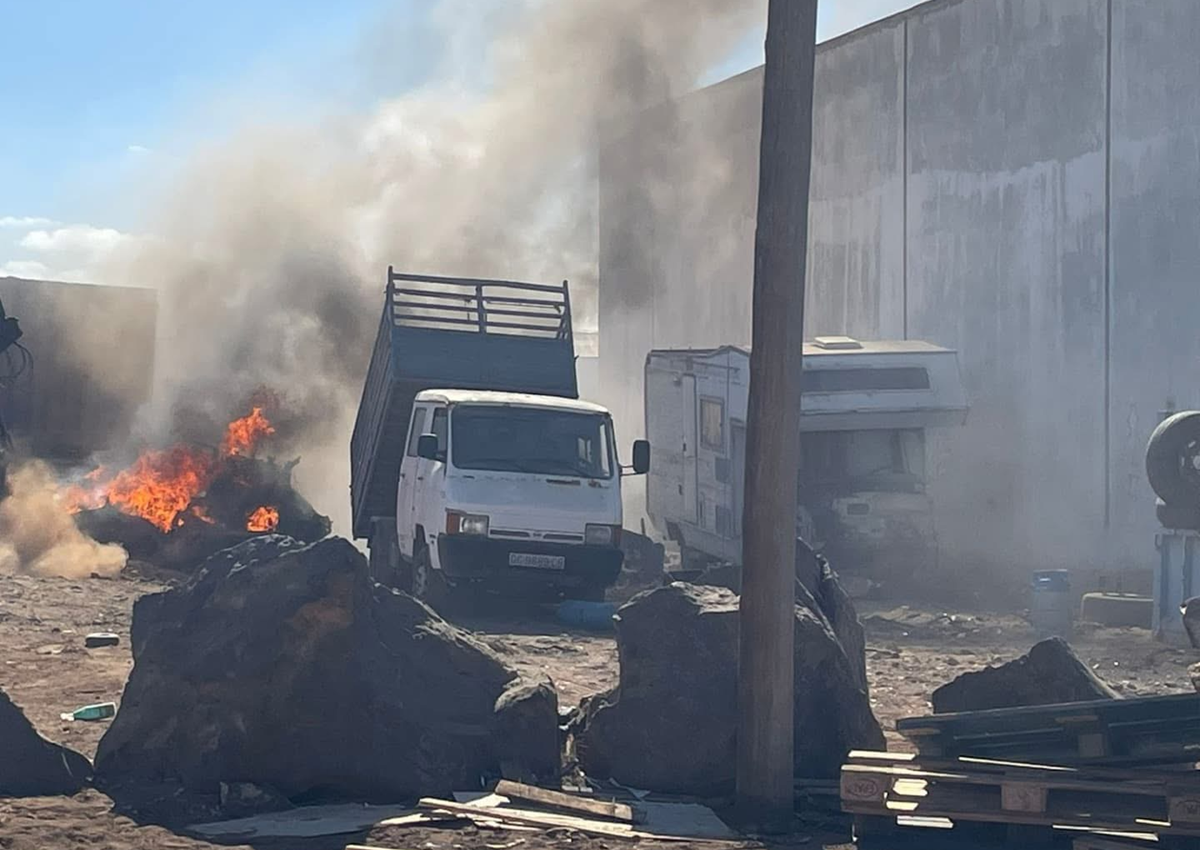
(428, 585)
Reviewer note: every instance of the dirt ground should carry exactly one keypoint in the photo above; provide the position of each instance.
(46, 670)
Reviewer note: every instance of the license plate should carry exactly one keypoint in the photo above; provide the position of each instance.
(537, 562)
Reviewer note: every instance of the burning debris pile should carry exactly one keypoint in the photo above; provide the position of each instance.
(176, 506)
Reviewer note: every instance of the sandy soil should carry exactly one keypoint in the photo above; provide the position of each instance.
(46, 670)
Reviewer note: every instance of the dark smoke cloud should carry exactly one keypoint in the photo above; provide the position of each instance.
(270, 248)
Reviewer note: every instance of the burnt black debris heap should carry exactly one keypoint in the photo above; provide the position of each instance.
(1050, 673)
(285, 666)
(31, 766)
(244, 484)
(671, 723)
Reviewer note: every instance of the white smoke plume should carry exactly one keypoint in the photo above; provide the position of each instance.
(39, 537)
(270, 248)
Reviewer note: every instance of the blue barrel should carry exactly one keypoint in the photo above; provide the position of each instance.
(1052, 608)
(597, 616)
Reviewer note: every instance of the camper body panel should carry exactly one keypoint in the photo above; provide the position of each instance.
(861, 487)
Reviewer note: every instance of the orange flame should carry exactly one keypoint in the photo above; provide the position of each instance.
(161, 484)
(243, 435)
(89, 495)
(263, 519)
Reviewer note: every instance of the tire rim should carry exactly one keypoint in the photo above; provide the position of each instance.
(1190, 463)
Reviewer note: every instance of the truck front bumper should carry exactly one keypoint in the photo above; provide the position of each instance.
(489, 562)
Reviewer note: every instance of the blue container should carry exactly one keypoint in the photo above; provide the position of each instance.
(597, 616)
(1052, 607)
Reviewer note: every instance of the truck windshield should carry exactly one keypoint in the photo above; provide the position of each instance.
(864, 460)
(529, 439)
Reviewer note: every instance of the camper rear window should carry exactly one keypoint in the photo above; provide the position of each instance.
(863, 380)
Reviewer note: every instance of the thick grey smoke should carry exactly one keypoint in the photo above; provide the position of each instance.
(271, 247)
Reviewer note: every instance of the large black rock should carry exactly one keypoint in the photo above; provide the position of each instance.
(31, 766)
(1050, 673)
(670, 725)
(285, 666)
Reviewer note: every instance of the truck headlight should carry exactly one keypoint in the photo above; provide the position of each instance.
(602, 535)
(476, 524)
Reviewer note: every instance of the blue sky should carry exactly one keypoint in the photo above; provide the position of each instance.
(94, 91)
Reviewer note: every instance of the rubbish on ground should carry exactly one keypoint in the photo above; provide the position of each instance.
(98, 639)
(1138, 730)
(99, 711)
(558, 800)
(970, 796)
(596, 616)
(663, 821)
(307, 822)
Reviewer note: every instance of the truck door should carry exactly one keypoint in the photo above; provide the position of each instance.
(408, 477)
(690, 500)
(429, 503)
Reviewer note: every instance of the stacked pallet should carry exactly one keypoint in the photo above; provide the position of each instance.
(1105, 775)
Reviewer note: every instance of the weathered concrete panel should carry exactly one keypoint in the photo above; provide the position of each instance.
(1154, 243)
(1006, 261)
(856, 211)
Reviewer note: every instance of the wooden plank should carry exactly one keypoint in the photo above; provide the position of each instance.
(1189, 778)
(549, 820)
(1090, 842)
(569, 802)
(963, 778)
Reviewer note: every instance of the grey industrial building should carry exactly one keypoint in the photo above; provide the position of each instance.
(1016, 179)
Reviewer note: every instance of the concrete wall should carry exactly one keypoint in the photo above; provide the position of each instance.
(1155, 237)
(1005, 224)
(963, 156)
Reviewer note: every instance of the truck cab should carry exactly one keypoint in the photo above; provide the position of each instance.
(867, 409)
(473, 462)
(510, 492)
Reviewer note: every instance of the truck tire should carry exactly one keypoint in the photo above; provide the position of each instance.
(428, 585)
(1173, 459)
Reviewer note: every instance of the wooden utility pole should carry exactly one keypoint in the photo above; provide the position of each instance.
(766, 675)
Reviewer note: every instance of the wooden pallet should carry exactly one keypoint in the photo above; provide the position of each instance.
(1145, 730)
(897, 796)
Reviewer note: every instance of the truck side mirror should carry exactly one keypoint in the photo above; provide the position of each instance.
(641, 457)
(427, 446)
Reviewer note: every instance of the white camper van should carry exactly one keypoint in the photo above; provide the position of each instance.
(864, 413)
